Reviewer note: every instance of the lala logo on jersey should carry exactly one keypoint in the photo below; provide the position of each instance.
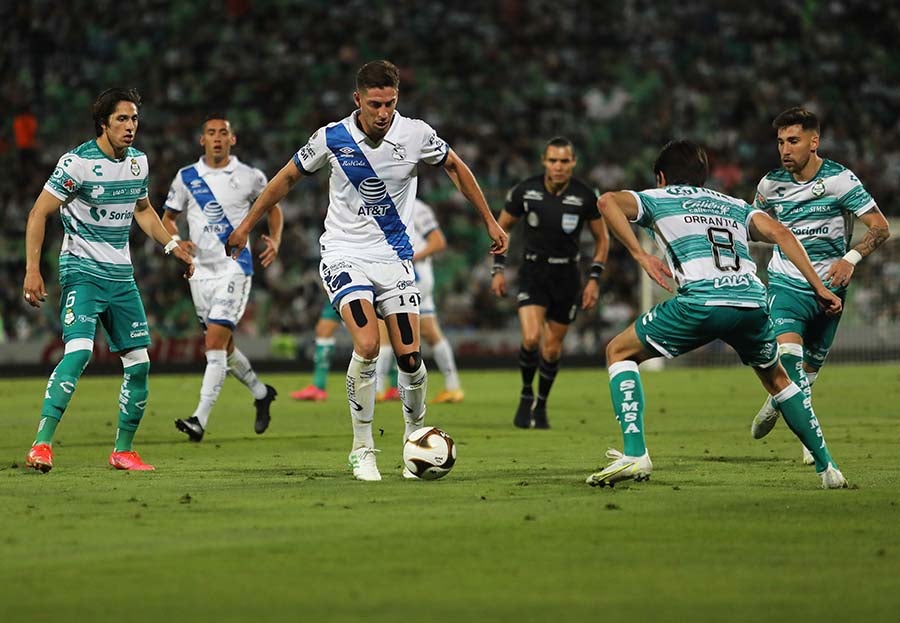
(569, 222)
(818, 188)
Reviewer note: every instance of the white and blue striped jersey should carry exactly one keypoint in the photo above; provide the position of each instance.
(372, 187)
(705, 238)
(819, 212)
(98, 195)
(216, 201)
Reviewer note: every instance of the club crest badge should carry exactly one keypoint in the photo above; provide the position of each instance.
(135, 167)
(818, 188)
(399, 152)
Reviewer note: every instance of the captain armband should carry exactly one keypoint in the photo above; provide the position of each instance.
(596, 270)
(499, 264)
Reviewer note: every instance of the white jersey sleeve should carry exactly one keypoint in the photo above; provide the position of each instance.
(66, 178)
(314, 155)
(434, 150)
(424, 222)
(177, 199)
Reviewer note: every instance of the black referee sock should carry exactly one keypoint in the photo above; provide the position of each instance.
(528, 364)
(545, 382)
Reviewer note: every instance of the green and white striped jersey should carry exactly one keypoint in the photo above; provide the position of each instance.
(99, 194)
(820, 213)
(704, 235)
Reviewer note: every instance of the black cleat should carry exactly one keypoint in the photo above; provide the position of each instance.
(191, 427)
(523, 413)
(262, 410)
(540, 418)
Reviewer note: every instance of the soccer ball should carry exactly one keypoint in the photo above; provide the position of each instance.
(429, 453)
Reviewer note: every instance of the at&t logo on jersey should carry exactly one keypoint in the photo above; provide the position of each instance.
(213, 211)
(372, 190)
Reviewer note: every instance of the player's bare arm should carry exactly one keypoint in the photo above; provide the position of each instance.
(149, 222)
(618, 208)
(878, 231)
(276, 190)
(435, 242)
(764, 228)
(273, 240)
(591, 293)
(33, 289)
(498, 279)
(465, 181)
(169, 221)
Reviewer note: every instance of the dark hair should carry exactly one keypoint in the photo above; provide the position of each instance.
(559, 141)
(797, 116)
(377, 75)
(106, 104)
(682, 162)
(211, 116)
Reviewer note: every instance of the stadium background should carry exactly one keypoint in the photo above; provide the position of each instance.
(496, 81)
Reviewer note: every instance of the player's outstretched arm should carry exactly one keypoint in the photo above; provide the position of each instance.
(617, 209)
(840, 272)
(465, 181)
(764, 228)
(276, 190)
(149, 222)
(33, 288)
(273, 240)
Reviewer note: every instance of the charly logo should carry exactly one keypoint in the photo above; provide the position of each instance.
(372, 190)
(213, 211)
(818, 188)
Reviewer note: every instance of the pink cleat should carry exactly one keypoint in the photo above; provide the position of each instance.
(388, 395)
(130, 460)
(311, 393)
(40, 457)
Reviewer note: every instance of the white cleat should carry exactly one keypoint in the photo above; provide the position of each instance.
(622, 468)
(408, 474)
(832, 478)
(808, 457)
(362, 462)
(765, 420)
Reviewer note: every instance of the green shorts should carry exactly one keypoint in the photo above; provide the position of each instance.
(677, 326)
(798, 312)
(116, 305)
(328, 313)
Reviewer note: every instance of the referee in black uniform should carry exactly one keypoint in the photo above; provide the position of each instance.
(555, 207)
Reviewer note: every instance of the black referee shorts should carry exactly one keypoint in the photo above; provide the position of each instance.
(557, 287)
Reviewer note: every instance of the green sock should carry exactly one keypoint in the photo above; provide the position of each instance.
(322, 361)
(796, 407)
(791, 357)
(132, 402)
(392, 375)
(628, 405)
(60, 388)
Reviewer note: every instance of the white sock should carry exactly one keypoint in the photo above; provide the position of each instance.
(240, 368)
(361, 397)
(412, 396)
(443, 357)
(213, 377)
(383, 368)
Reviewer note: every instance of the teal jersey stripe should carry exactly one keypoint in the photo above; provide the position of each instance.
(856, 199)
(72, 264)
(114, 236)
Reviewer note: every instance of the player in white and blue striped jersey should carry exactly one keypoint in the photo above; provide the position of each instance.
(705, 238)
(372, 157)
(215, 193)
(818, 200)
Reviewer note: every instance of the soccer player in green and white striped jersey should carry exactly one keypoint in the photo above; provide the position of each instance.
(98, 188)
(818, 200)
(705, 237)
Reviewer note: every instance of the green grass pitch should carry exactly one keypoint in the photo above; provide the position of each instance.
(255, 528)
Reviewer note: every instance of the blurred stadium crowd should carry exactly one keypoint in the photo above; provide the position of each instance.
(496, 79)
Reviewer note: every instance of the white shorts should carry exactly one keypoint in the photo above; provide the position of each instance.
(221, 300)
(390, 287)
(425, 283)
